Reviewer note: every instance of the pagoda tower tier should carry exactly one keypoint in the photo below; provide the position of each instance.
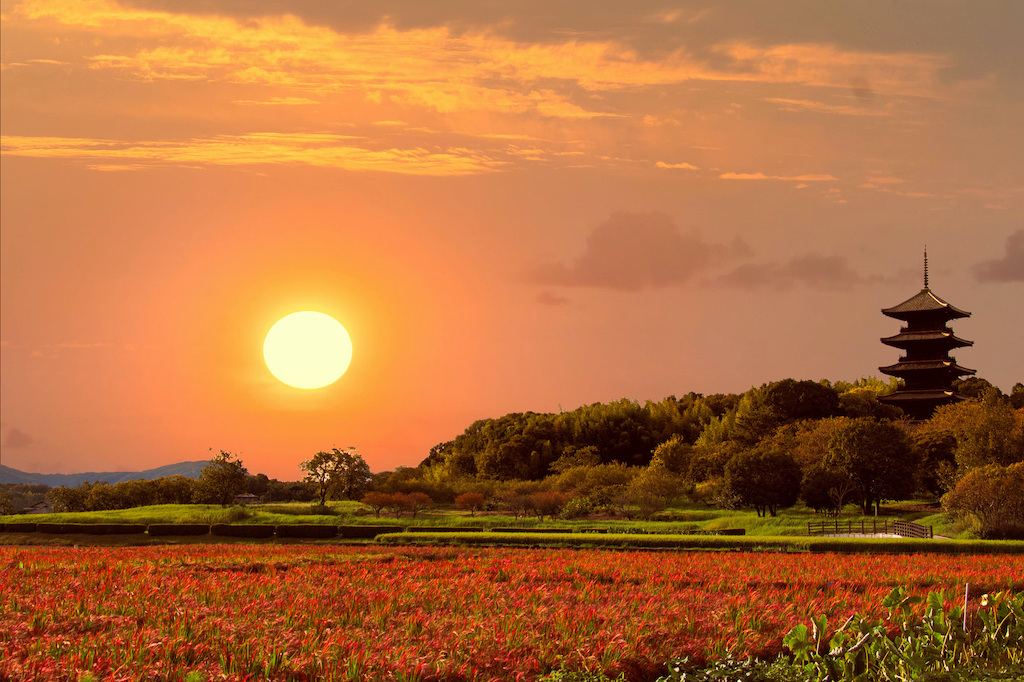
(926, 369)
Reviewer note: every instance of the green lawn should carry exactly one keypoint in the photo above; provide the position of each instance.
(683, 519)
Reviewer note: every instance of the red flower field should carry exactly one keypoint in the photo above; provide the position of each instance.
(240, 612)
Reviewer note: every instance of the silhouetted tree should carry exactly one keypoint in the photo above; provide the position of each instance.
(220, 480)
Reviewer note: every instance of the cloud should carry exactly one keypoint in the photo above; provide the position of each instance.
(551, 298)
(1009, 268)
(683, 166)
(635, 251)
(833, 273)
(794, 178)
(313, 149)
(797, 105)
(16, 438)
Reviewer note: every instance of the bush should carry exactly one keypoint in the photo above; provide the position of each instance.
(242, 530)
(306, 531)
(55, 528)
(178, 529)
(366, 532)
(993, 497)
(577, 507)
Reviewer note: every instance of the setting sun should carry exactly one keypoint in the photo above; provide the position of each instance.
(307, 350)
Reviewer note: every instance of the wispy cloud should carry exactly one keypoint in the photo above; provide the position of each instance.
(1009, 268)
(683, 165)
(811, 177)
(323, 150)
(823, 108)
(448, 71)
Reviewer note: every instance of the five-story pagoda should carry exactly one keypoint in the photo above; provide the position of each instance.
(927, 370)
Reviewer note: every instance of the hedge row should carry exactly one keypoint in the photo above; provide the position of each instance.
(88, 528)
(744, 543)
(179, 529)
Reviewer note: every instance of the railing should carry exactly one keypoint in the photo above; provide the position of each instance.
(906, 529)
(909, 529)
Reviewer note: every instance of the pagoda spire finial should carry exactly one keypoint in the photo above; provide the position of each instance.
(925, 266)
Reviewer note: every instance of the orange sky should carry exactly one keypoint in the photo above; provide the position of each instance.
(510, 206)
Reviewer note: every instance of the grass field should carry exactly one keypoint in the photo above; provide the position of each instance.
(789, 522)
(249, 612)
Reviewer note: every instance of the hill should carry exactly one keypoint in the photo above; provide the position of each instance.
(188, 469)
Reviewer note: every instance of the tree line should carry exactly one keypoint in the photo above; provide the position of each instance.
(825, 444)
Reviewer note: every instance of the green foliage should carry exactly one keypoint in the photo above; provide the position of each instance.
(942, 644)
(6, 504)
(878, 458)
(992, 497)
(826, 490)
(653, 489)
(988, 431)
(220, 480)
(764, 478)
(341, 471)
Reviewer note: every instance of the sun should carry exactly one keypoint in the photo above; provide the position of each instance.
(307, 350)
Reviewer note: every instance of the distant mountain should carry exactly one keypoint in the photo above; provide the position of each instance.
(187, 469)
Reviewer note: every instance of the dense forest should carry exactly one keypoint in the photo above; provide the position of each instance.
(826, 444)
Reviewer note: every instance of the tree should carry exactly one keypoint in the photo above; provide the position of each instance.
(377, 501)
(878, 458)
(675, 454)
(547, 503)
(993, 498)
(826, 490)
(6, 505)
(221, 480)
(412, 502)
(654, 489)
(66, 499)
(1017, 396)
(988, 431)
(342, 470)
(474, 502)
(764, 478)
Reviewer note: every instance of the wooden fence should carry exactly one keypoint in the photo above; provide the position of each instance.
(907, 529)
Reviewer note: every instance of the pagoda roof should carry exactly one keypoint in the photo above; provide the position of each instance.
(905, 338)
(936, 394)
(913, 366)
(924, 302)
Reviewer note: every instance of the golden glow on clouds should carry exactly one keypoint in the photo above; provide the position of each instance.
(323, 150)
(439, 69)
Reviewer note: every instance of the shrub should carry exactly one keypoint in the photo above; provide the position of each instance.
(577, 507)
(55, 528)
(242, 530)
(178, 529)
(993, 497)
